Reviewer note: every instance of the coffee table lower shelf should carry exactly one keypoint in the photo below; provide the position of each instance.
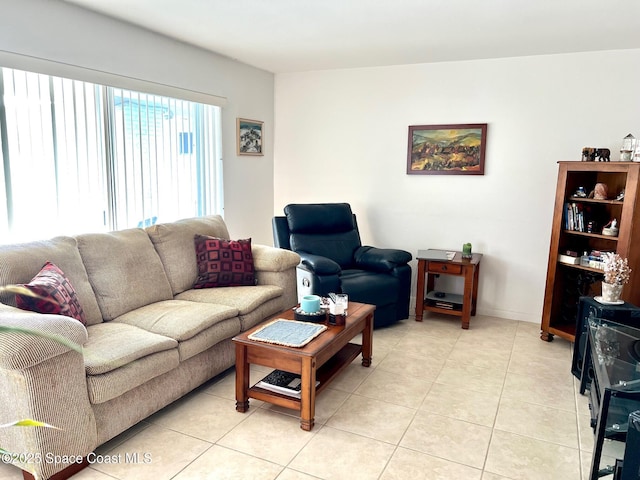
(325, 374)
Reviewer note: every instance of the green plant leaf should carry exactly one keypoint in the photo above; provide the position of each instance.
(27, 422)
(19, 290)
(62, 340)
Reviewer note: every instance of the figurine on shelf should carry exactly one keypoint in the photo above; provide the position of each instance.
(588, 154)
(600, 192)
(580, 192)
(611, 228)
(620, 196)
(603, 154)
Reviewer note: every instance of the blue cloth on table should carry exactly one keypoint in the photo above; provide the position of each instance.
(290, 333)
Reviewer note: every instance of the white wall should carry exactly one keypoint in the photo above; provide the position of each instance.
(342, 135)
(61, 32)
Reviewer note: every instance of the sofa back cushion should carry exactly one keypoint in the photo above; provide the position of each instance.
(124, 270)
(19, 263)
(174, 243)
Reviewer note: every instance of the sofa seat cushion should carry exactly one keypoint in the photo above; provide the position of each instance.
(245, 299)
(112, 345)
(120, 357)
(254, 303)
(196, 326)
(110, 385)
(265, 310)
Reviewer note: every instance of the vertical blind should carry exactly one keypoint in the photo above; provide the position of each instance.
(83, 157)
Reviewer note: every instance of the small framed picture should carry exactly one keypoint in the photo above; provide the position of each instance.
(447, 149)
(249, 134)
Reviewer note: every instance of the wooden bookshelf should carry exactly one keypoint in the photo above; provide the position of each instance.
(566, 283)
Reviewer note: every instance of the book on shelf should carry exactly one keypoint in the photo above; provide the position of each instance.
(568, 259)
(286, 383)
(575, 217)
(446, 305)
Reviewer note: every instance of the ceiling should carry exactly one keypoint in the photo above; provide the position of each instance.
(298, 35)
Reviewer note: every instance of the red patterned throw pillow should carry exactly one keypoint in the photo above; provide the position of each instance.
(55, 294)
(223, 263)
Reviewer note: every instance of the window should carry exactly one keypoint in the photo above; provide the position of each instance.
(80, 157)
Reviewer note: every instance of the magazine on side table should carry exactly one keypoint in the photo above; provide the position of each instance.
(283, 382)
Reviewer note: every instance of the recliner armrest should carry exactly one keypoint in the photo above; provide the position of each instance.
(380, 259)
(319, 265)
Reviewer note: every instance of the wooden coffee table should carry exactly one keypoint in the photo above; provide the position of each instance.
(321, 360)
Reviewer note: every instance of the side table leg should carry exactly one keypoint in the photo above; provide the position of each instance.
(242, 379)
(308, 394)
(474, 295)
(467, 298)
(420, 290)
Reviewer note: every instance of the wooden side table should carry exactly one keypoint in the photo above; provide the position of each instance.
(428, 268)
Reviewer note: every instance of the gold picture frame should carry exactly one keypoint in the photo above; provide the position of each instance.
(447, 149)
(249, 135)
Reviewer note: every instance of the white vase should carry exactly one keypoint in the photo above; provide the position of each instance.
(611, 292)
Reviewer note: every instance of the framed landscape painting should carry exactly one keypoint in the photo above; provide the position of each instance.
(447, 149)
(249, 133)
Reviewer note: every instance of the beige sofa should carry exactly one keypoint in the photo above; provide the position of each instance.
(150, 337)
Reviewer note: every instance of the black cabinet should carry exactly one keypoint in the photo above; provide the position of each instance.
(589, 308)
(612, 361)
(631, 463)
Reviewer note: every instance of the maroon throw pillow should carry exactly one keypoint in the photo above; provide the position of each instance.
(223, 263)
(55, 294)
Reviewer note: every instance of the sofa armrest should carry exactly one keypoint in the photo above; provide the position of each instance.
(28, 338)
(277, 266)
(380, 259)
(272, 259)
(44, 380)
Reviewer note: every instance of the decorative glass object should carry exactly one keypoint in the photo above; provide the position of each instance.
(628, 148)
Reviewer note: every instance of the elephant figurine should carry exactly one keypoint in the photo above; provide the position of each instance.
(603, 154)
(588, 154)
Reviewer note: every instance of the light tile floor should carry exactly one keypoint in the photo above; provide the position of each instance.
(490, 403)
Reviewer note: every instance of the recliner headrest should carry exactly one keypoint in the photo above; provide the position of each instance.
(319, 218)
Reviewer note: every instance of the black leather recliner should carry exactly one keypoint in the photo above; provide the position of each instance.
(326, 237)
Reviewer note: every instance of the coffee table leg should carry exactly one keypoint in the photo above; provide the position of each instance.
(367, 341)
(308, 393)
(242, 379)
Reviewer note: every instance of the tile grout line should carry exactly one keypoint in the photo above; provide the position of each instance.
(495, 418)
